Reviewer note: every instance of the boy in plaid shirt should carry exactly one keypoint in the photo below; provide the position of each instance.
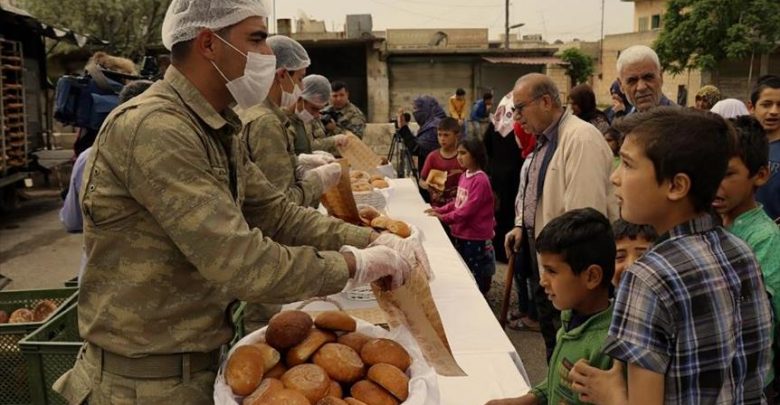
(691, 319)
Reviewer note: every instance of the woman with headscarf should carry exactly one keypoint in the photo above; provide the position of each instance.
(730, 108)
(707, 97)
(583, 105)
(620, 104)
(427, 112)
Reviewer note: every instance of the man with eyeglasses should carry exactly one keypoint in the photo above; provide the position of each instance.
(569, 169)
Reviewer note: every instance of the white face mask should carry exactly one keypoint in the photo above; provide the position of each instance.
(305, 116)
(288, 99)
(253, 87)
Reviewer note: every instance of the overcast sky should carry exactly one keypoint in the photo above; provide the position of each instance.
(554, 19)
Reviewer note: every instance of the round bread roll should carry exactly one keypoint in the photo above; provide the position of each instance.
(335, 390)
(286, 397)
(372, 394)
(355, 340)
(277, 371)
(361, 187)
(380, 222)
(309, 379)
(367, 214)
(341, 362)
(267, 387)
(390, 378)
(244, 370)
(336, 321)
(302, 351)
(21, 315)
(331, 401)
(43, 309)
(287, 329)
(353, 401)
(358, 175)
(3, 317)
(271, 356)
(385, 351)
(399, 228)
(380, 183)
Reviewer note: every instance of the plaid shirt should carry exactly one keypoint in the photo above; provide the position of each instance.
(694, 309)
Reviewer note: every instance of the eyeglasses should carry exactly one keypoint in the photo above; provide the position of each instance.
(517, 109)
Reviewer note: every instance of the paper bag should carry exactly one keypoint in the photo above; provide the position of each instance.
(412, 306)
(339, 200)
(436, 179)
(360, 156)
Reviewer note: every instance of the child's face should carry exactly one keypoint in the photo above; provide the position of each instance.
(628, 250)
(642, 200)
(565, 289)
(613, 143)
(447, 139)
(465, 159)
(767, 110)
(736, 189)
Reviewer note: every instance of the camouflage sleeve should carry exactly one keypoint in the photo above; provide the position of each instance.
(169, 173)
(269, 144)
(318, 137)
(353, 121)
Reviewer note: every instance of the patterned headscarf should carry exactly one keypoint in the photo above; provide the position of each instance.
(710, 94)
(428, 113)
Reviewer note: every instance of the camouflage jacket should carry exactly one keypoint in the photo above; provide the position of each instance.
(350, 119)
(305, 140)
(179, 223)
(270, 141)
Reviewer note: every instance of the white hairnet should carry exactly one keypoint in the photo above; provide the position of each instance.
(730, 108)
(316, 89)
(290, 55)
(185, 18)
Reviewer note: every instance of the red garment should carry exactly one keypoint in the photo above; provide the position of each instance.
(436, 161)
(527, 141)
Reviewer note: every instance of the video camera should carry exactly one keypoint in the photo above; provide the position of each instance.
(329, 114)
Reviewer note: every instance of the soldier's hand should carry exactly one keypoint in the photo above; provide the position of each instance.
(410, 248)
(377, 262)
(513, 240)
(341, 140)
(329, 175)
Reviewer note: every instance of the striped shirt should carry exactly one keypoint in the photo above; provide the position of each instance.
(694, 308)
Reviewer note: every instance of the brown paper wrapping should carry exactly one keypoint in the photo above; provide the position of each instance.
(412, 306)
(437, 179)
(360, 155)
(339, 200)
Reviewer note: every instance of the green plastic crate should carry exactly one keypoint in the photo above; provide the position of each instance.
(74, 282)
(50, 351)
(14, 384)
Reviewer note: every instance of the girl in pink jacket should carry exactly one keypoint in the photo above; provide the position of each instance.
(470, 215)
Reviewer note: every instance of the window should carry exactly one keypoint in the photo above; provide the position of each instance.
(655, 22)
(643, 24)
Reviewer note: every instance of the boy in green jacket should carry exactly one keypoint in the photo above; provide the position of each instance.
(577, 252)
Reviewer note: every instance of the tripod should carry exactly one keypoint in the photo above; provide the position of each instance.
(403, 157)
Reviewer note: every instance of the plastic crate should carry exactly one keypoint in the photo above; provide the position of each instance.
(50, 351)
(14, 384)
(74, 282)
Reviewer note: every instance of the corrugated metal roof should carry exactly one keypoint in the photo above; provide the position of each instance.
(526, 60)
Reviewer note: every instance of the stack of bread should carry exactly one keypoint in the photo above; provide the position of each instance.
(39, 313)
(363, 181)
(320, 361)
(373, 218)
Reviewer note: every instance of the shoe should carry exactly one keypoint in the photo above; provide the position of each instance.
(524, 324)
(515, 314)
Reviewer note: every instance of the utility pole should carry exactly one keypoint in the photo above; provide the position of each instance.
(601, 43)
(506, 24)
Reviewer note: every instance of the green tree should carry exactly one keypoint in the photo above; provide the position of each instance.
(580, 66)
(702, 33)
(130, 26)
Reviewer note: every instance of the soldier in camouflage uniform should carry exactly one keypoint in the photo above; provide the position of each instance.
(269, 134)
(305, 118)
(348, 116)
(179, 222)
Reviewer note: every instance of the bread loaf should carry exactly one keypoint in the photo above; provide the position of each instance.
(367, 214)
(277, 371)
(335, 390)
(353, 401)
(267, 387)
(399, 228)
(43, 309)
(3, 317)
(372, 394)
(331, 401)
(355, 340)
(391, 378)
(308, 379)
(385, 351)
(287, 329)
(336, 321)
(271, 356)
(286, 397)
(302, 351)
(341, 362)
(380, 222)
(21, 315)
(244, 370)
(380, 183)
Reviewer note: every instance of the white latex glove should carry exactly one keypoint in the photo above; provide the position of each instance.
(329, 175)
(308, 162)
(410, 248)
(374, 263)
(325, 155)
(341, 140)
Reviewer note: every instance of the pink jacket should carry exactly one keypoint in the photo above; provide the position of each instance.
(470, 216)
